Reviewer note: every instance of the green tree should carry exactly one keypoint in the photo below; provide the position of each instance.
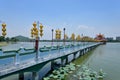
(2, 38)
(13, 39)
(7, 39)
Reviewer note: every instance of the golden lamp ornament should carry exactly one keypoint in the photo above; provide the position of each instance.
(35, 31)
(4, 29)
(73, 36)
(41, 30)
(58, 34)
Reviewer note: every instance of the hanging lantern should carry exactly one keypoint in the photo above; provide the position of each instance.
(73, 36)
(4, 29)
(32, 33)
(59, 34)
(34, 24)
(56, 35)
(66, 37)
(41, 30)
(78, 38)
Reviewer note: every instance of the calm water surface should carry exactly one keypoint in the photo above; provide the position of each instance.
(106, 57)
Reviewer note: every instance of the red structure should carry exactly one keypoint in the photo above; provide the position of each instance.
(36, 44)
(100, 38)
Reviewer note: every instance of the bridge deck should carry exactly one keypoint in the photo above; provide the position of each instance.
(10, 68)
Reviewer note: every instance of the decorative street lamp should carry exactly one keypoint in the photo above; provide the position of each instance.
(58, 35)
(32, 33)
(64, 35)
(73, 37)
(41, 30)
(78, 38)
(82, 40)
(4, 29)
(64, 39)
(35, 33)
(32, 36)
(52, 37)
(3, 34)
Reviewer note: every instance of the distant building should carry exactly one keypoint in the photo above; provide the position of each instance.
(109, 38)
(118, 38)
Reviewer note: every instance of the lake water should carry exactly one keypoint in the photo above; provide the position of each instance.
(30, 45)
(106, 57)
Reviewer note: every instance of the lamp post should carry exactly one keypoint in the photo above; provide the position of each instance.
(58, 37)
(35, 33)
(52, 37)
(58, 34)
(64, 35)
(3, 34)
(32, 33)
(82, 40)
(78, 38)
(4, 29)
(32, 36)
(64, 38)
(73, 39)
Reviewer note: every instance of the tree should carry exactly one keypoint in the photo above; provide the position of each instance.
(13, 39)
(2, 38)
(7, 39)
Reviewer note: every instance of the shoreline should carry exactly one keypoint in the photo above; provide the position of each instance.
(3, 44)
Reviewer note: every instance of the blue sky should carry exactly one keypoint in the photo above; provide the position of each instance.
(87, 17)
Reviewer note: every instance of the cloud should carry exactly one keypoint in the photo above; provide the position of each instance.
(86, 30)
(84, 27)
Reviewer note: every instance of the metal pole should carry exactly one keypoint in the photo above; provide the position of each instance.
(52, 38)
(82, 41)
(36, 47)
(37, 43)
(64, 36)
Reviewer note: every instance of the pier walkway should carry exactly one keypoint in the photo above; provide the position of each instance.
(62, 54)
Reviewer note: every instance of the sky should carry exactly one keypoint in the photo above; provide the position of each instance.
(87, 17)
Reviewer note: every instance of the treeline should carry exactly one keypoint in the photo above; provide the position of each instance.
(113, 40)
(7, 39)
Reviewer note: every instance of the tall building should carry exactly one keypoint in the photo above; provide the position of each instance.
(118, 38)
